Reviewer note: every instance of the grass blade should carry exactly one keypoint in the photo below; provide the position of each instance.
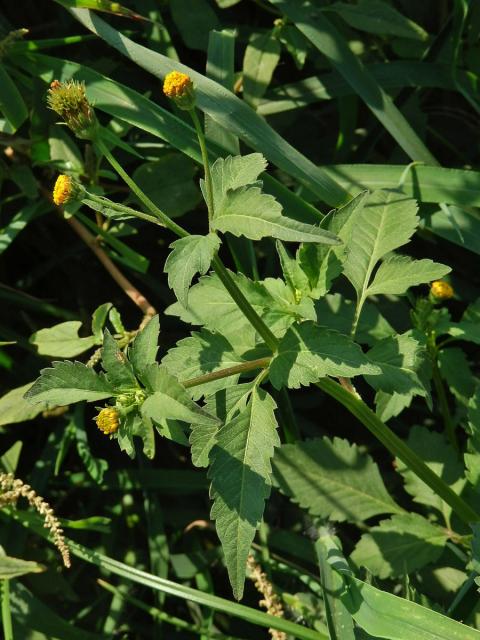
(226, 109)
(323, 35)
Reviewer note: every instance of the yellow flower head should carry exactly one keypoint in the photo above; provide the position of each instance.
(179, 87)
(441, 290)
(62, 191)
(108, 420)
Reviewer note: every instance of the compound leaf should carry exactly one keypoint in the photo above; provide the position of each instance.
(332, 479)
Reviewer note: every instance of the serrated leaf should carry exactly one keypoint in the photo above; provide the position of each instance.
(15, 408)
(397, 273)
(118, 369)
(472, 457)
(143, 350)
(169, 399)
(144, 429)
(190, 255)
(233, 172)
(224, 404)
(442, 459)
(399, 546)
(308, 352)
(336, 312)
(457, 373)
(202, 352)
(321, 265)
(399, 358)
(210, 304)
(332, 479)
(249, 212)
(69, 382)
(62, 340)
(387, 221)
(241, 480)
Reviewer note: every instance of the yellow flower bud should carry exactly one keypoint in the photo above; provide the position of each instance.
(441, 290)
(179, 87)
(69, 100)
(108, 420)
(65, 189)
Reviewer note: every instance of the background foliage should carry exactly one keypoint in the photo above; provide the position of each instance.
(339, 98)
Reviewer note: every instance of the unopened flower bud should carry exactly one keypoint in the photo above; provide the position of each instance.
(65, 190)
(441, 290)
(178, 87)
(108, 420)
(69, 100)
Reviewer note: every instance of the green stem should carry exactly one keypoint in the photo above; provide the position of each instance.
(156, 613)
(444, 408)
(261, 363)
(287, 420)
(398, 448)
(244, 305)
(6, 612)
(218, 266)
(170, 224)
(120, 208)
(206, 163)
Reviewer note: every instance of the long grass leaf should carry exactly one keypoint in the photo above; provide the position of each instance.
(226, 109)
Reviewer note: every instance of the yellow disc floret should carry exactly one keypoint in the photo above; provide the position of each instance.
(62, 191)
(108, 420)
(441, 290)
(176, 84)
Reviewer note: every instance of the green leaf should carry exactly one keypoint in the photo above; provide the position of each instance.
(441, 458)
(221, 68)
(16, 567)
(259, 62)
(169, 183)
(169, 399)
(224, 404)
(233, 172)
(376, 16)
(69, 382)
(472, 457)
(321, 265)
(384, 615)
(96, 467)
(210, 304)
(99, 317)
(399, 546)
(330, 42)
(119, 371)
(399, 358)
(14, 408)
(397, 273)
(242, 209)
(249, 212)
(332, 479)
(308, 352)
(12, 105)
(224, 107)
(143, 350)
(339, 620)
(241, 480)
(202, 352)
(456, 372)
(190, 255)
(62, 340)
(336, 312)
(386, 222)
(194, 26)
